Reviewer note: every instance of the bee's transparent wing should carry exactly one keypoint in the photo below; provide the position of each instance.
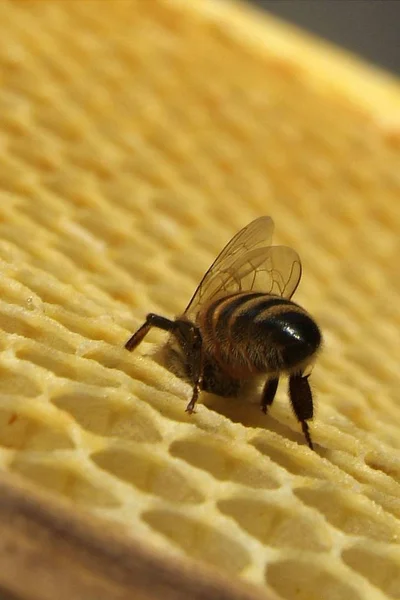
(257, 233)
(250, 263)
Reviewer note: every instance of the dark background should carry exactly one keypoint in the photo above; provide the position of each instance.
(370, 28)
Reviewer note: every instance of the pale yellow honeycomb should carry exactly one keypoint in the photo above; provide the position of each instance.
(136, 139)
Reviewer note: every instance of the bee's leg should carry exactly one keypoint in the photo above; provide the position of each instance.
(196, 368)
(268, 394)
(151, 321)
(302, 403)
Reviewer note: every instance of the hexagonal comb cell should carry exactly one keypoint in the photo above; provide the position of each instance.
(308, 579)
(22, 432)
(277, 523)
(68, 480)
(149, 472)
(380, 565)
(222, 462)
(104, 414)
(350, 513)
(199, 539)
(13, 381)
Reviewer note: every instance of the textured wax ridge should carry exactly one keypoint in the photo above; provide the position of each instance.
(136, 139)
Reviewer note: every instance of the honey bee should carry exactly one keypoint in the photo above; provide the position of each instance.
(241, 323)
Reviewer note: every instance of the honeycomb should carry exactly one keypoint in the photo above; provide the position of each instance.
(136, 139)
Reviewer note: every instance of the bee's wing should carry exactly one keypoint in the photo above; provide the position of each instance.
(275, 270)
(248, 262)
(257, 233)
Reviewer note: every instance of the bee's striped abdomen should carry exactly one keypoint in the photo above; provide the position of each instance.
(253, 332)
(215, 317)
(238, 311)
